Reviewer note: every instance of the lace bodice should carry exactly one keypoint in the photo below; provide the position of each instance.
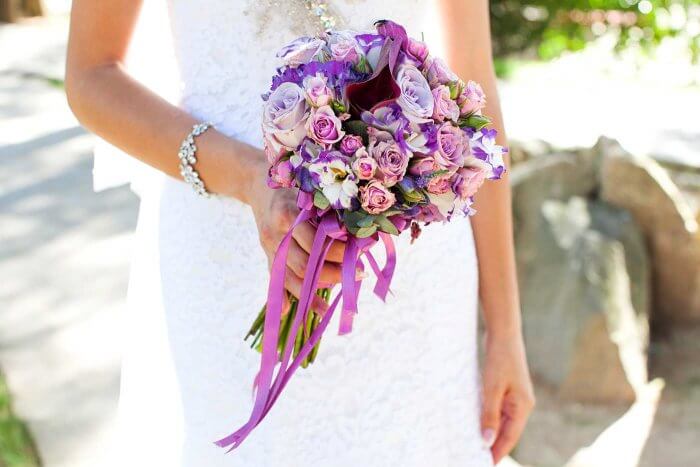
(226, 50)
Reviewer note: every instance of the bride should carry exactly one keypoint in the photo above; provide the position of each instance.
(404, 388)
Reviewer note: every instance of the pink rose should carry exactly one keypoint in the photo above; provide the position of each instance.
(472, 98)
(317, 91)
(445, 107)
(281, 175)
(439, 184)
(324, 127)
(364, 166)
(350, 144)
(422, 165)
(344, 47)
(450, 153)
(467, 180)
(375, 198)
(416, 52)
(391, 161)
(284, 115)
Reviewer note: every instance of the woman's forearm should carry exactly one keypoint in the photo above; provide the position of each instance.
(111, 104)
(469, 55)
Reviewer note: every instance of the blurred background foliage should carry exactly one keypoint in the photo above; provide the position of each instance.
(547, 28)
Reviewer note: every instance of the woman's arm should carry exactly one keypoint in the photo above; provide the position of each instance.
(108, 102)
(111, 104)
(507, 389)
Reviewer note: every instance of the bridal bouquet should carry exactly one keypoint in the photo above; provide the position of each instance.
(377, 136)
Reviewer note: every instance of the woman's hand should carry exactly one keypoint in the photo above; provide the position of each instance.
(508, 397)
(275, 212)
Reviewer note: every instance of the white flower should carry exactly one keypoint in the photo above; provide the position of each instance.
(336, 179)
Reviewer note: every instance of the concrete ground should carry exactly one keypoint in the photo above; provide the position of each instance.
(64, 254)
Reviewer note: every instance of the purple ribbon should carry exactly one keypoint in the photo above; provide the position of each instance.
(329, 230)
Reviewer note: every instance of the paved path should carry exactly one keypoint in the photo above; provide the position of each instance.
(63, 258)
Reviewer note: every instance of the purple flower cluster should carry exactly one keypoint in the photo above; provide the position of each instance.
(374, 126)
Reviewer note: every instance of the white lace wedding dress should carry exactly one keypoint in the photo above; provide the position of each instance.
(401, 390)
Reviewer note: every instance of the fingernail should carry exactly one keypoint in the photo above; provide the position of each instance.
(489, 437)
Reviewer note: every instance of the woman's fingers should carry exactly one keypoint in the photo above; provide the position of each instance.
(516, 413)
(298, 260)
(491, 413)
(292, 283)
(304, 235)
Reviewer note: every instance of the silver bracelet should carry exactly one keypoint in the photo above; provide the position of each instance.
(187, 154)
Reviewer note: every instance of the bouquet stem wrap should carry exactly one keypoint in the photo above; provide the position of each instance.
(330, 229)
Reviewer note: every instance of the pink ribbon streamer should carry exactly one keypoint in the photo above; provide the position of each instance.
(329, 230)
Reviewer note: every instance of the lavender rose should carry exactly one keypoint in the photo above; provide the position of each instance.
(284, 115)
(391, 160)
(416, 100)
(445, 107)
(350, 144)
(438, 72)
(324, 127)
(472, 98)
(318, 93)
(450, 153)
(467, 180)
(301, 51)
(375, 198)
(364, 166)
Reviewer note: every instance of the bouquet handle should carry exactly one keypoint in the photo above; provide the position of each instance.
(329, 230)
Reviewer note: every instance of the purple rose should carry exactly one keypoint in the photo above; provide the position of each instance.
(415, 100)
(438, 72)
(318, 93)
(439, 184)
(324, 127)
(375, 198)
(344, 47)
(445, 107)
(284, 115)
(391, 160)
(416, 52)
(281, 175)
(350, 144)
(364, 166)
(467, 180)
(472, 98)
(450, 153)
(301, 51)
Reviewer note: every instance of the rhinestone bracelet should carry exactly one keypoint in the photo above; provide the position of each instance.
(187, 154)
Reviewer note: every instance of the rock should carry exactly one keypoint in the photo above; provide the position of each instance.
(583, 275)
(668, 222)
(522, 151)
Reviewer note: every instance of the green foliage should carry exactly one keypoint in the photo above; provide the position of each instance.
(16, 447)
(550, 27)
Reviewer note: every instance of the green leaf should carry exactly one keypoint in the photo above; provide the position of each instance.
(320, 201)
(385, 225)
(363, 65)
(356, 127)
(474, 121)
(338, 107)
(455, 89)
(365, 232)
(365, 221)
